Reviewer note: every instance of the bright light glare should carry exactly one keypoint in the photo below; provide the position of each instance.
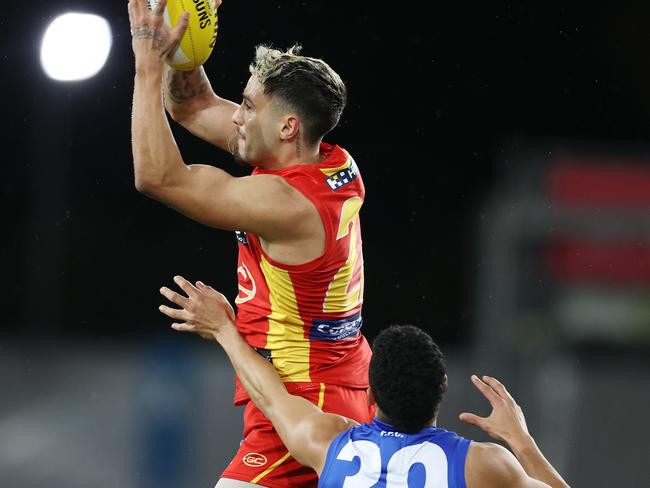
(75, 46)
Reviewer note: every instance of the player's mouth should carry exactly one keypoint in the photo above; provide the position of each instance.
(241, 143)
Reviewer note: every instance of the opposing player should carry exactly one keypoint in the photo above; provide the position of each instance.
(300, 266)
(402, 446)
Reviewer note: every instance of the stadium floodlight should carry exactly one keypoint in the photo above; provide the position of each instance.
(75, 46)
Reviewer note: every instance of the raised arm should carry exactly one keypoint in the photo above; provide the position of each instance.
(204, 193)
(492, 465)
(191, 102)
(303, 427)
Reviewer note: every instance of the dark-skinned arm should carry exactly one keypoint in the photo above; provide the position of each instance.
(506, 423)
(304, 428)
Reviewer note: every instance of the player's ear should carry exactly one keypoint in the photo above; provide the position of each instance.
(445, 384)
(290, 127)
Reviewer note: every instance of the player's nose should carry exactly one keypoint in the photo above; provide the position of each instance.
(237, 117)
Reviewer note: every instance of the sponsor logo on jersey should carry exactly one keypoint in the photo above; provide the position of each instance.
(343, 177)
(241, 237)
(254, 459)
(336, 330)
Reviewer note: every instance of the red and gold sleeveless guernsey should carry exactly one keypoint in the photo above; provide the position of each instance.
(308, 316)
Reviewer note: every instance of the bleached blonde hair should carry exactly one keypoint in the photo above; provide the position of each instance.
(306, 85)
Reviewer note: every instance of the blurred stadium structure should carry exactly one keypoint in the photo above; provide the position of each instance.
(564, 303)
(563, 317)
(94, 393)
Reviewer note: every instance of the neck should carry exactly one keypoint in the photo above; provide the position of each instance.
(383, 418)
(293, 153)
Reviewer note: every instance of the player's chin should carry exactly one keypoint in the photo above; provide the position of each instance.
(240, 158)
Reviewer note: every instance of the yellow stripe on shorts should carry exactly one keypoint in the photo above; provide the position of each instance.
(321, 395)
(321, 401)
(270, 468)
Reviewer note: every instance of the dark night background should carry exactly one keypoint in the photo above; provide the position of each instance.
(440, 98)
(434, 97)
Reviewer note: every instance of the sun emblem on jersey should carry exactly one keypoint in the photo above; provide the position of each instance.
(246, 285)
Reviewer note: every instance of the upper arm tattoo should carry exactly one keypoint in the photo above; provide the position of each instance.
(183, 86)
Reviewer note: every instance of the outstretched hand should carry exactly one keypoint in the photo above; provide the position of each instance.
(153, 42)
(204, 310)
(506, 422)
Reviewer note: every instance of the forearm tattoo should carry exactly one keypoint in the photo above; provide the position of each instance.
(183, 86)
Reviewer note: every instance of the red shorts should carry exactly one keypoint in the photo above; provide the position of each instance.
(263, 459)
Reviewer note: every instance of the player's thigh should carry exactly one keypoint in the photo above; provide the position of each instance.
(227, 483)
(262, 457)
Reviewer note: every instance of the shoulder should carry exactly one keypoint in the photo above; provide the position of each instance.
(481, 451)
(490, 464)
(321, 430)
(325, 427)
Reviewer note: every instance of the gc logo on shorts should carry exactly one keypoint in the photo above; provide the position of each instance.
(254, 460)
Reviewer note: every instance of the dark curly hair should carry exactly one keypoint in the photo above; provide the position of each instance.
(407, 376)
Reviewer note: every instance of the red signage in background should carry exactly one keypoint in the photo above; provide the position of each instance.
(603, 273)
(586, 261)
(603, 184)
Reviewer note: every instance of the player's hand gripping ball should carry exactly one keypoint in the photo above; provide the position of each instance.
(201, 34)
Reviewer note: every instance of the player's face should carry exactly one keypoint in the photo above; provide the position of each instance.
(255, 126)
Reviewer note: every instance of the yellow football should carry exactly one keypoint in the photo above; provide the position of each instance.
(201, 34)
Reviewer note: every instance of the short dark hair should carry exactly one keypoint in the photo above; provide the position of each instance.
(307, 85)
(407, 376)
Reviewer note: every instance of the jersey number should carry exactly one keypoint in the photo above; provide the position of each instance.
(431, 456)
(346, 288)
